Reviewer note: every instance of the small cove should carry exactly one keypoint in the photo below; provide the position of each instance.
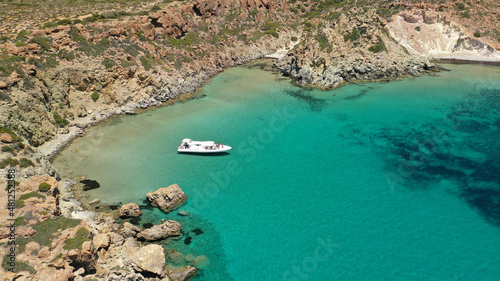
(391, 181)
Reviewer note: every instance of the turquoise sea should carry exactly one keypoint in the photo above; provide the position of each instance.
(396, 181)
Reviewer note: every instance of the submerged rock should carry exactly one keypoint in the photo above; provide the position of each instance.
(182, 274)
(130, 210)
(183, 213)
(167, 198)
(161, 231)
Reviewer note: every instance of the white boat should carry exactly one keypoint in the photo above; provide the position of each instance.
(190, 146)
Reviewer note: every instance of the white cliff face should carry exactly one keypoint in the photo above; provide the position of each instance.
(433, 36)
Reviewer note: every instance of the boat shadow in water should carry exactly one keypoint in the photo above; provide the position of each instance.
(213, 154)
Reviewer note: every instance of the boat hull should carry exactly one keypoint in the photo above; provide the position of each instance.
(226, 148)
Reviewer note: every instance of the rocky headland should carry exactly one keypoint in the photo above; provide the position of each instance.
(60, 77)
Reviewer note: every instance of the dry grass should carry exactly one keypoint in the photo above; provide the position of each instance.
(16, 15)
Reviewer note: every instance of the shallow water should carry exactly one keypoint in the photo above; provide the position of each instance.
(395, 181)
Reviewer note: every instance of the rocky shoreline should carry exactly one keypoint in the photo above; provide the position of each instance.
(65, 79)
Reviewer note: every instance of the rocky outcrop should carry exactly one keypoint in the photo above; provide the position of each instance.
(148, 259)
(130, 230)
(167, 198)
(5, 138)
(130, 210)
(435, 35)
(81, 259)
(182, 274)
(161, 231)
(352, 48)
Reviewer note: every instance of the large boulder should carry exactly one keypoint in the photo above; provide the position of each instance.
(161, 231)
(181, 274)
(167, 198)
(101, 240)
(130, 230)
(5, 137)
(130, 210)
(148, 259)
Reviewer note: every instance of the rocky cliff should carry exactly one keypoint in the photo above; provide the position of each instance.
(434, 35)
(354, 47)
(71, 76)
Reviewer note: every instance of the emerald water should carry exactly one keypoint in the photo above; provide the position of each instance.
(396, 181)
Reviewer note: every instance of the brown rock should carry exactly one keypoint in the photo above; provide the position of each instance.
(130, 210)
(161, 231)
(167, 198)
(5, 137)
(182, 274)
(130, 230)
(175, 256)
(53, 274)
(148, 259)
(101, 241)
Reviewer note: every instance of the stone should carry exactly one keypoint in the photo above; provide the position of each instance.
(202, 262)
(48, 273)
(167, 198)
(130, 210)
(175, 257)
(95, 201)
(130, 230)
(183, 274)
(5, 138)
(101, 241)
(148, 259)
(183, 213)
(161, 231)
(88, 246)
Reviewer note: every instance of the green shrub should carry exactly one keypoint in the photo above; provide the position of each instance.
(417, 28)
(9, 149)
(18, 145)
(20, 265)
(76, 243)
(155, 8)
(95, 95)
(21, 44)
(44, 187)
(108, 63)
(20, 221)
(9, 162)
(355, 35)
(56, 257)
(147, 62)
(49, 25)
(477, 34)
(126, 64)
(64, 22)
(254, 12)
(44, 230)
(294, 39)
(59, 120)
(4, 96)
(63, 54)
(25, 163)
(333, 16)
(31, 194)
(43, 42)
(380, 46)
(323, 42)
